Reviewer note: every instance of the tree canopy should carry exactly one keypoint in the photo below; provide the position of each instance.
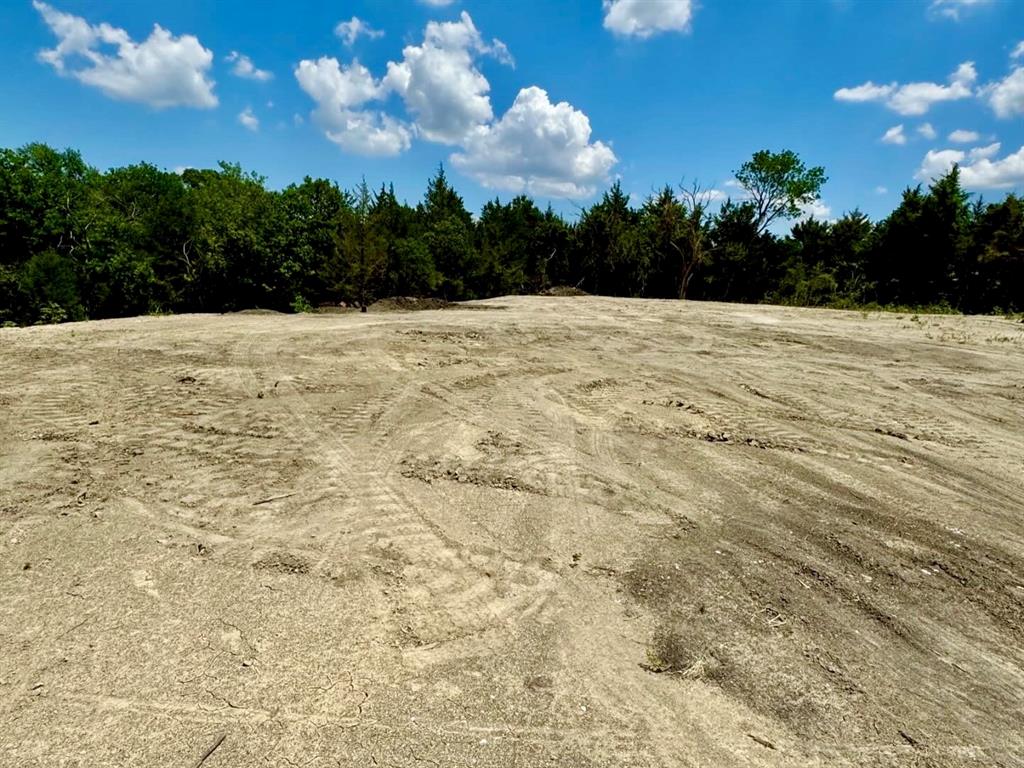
(779, 184)
(76, 243)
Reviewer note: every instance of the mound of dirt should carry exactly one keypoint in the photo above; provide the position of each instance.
(408, 304)
(563, 290)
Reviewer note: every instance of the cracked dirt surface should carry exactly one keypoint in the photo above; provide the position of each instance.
(550, 531)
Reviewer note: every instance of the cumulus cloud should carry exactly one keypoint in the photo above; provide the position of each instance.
(537, 147)
(439, 82)
(244, 68)
(1006, 96)
(961, 136)
(339, 93)
(249, 120)
(937, 162)
(1018, 50)
(979, 167)
(984, 153)
(951, 9)
(895, 135)
(1003, 173)
(161, 71)
(927, 130)
(351, 30)
(816, 209)
(645, 18)
(914, 98)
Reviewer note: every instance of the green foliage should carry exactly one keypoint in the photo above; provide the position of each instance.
(613, 259)
(363, 250)
(51, 313)
(49, 280)
(779, 184)
(299, 304)
(76, 243)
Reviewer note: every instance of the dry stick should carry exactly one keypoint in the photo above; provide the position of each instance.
(762, 741)
(274, 498)
(211, 750)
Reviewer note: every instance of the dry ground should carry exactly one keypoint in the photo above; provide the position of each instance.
(533, 531)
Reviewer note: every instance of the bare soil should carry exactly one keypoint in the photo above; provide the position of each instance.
(567, 532)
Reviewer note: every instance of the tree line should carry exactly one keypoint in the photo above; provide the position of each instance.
(78, 243)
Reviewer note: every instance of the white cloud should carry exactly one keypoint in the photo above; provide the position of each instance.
(927, 130)
(982, 153)
(351, 30)
(501, 52)
(329, 83)
(961, 136)
(162, 70)
(537, 147)
(895, 135)
(644, 18)
(937, 162)
(986, 173)
(439, 82)
(880, 190)
(951, 9)
(868, 91)
(816, 209)
(249, 120)
(339, 91)
(437, 3)
(1006, 97)
(978, 169)
(244, 68)
(914, 98)
(1018, 50)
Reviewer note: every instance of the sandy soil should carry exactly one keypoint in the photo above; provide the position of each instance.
(536, 531)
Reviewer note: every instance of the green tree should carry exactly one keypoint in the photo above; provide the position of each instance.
(997, 249)
(409, 268)
(919, 253)
(229, 262)
(140, 223)
(311, 218)
(364, 249)
(447, 232)
(613, 260)
(779, 184)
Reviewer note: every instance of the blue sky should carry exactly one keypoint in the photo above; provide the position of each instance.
(555, 99)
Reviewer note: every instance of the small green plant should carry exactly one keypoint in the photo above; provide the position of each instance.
(299, 304)
(51, 313)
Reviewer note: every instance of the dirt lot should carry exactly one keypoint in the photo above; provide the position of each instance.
(534, 531)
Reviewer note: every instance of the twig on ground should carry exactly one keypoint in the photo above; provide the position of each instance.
(273, 498)
(762, 742)
(211, 749)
